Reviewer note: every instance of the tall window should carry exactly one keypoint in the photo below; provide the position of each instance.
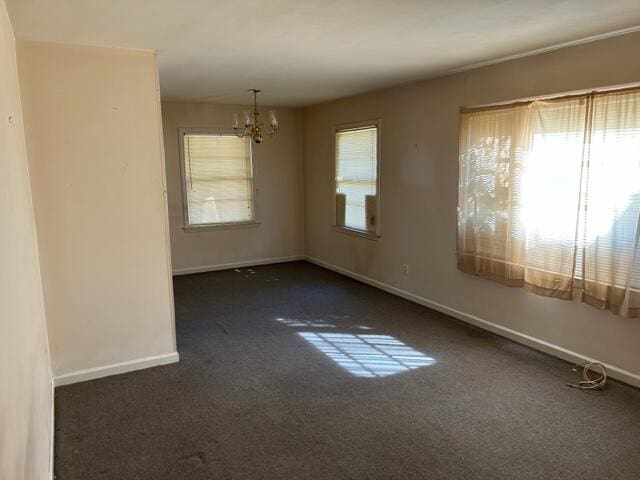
(356, 178)
(549, 197)
(218, 179)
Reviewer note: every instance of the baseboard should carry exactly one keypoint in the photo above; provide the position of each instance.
(115, 369)
(227, 266)
(535, 343)
(53, 430)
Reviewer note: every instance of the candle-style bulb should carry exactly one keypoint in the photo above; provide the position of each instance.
(274, 119)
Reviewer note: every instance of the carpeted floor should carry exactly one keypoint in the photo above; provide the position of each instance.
(291, 371)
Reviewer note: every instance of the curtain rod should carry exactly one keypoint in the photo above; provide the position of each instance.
(522, 103)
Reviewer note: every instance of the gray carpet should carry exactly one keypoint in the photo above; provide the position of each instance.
(291, 371)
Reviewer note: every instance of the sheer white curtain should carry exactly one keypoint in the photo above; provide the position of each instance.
(491, 240)
(612, 205)
(551, 187)
(549, 197)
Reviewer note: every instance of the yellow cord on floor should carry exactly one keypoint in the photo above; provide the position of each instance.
(587, 382)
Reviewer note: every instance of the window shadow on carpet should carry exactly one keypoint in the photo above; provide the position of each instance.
(368, 355)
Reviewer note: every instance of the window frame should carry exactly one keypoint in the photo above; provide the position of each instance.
(359, 125)
(205, 227)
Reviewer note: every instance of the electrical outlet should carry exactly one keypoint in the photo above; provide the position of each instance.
(405, 269)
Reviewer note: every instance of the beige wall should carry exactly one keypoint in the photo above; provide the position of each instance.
(419, 140)
(25, 372)
(93, 130)
(278, 177)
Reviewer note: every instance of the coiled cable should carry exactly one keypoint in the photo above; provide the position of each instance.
(590, 383)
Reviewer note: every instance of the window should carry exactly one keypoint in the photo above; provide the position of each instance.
(217, 179)
(356, 178)
(549, 197)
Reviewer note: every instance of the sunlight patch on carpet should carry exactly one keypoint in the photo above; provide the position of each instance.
(368, 355)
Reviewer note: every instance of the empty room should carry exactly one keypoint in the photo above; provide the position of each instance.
(319, 239)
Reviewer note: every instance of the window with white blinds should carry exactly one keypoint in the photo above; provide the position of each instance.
(218, 179)
(356, 178)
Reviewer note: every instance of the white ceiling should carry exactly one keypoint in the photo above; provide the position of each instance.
(301, 52)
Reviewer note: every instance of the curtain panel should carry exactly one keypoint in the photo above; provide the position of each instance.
(549, 197)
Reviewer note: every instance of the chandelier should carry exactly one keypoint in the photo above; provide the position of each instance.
(253, 127)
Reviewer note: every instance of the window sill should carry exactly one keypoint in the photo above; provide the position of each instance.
(219, 226)
(356, 233)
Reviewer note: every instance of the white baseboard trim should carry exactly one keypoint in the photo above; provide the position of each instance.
(227, 266)
(115, 369)
(52, 438)
(535, 343)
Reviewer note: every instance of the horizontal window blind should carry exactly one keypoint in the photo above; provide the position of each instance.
(357, 173)
(218, 179)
